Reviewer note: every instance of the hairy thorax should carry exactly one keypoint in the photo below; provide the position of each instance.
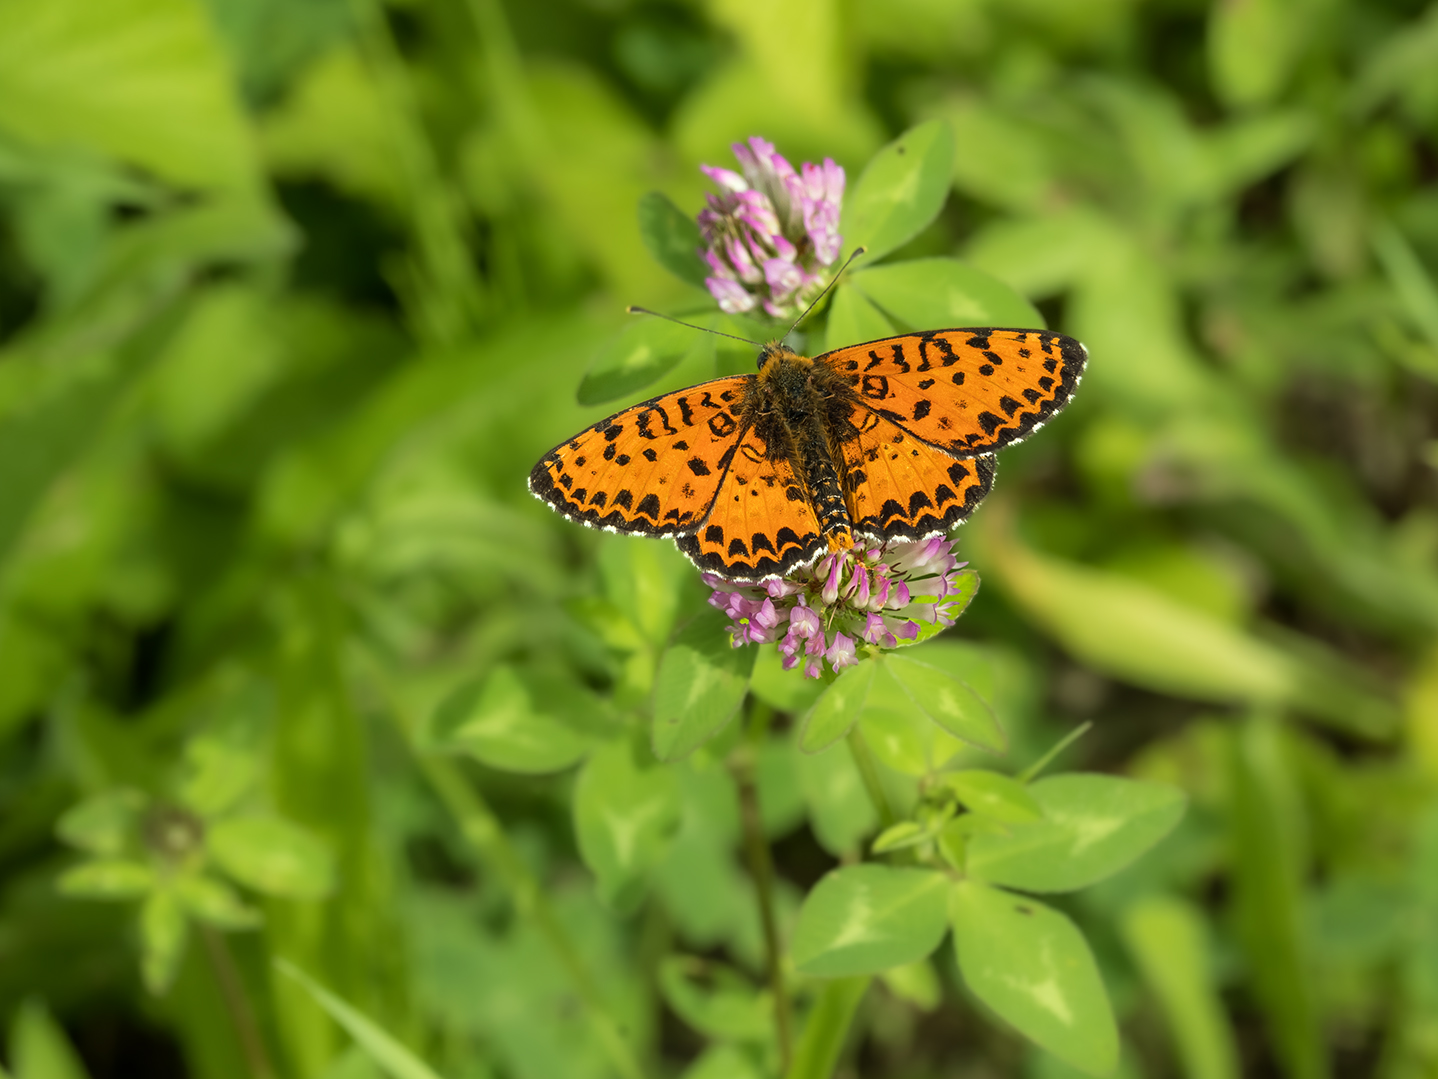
(801, 409)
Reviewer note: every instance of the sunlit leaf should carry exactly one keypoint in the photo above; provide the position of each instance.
(938, 293)
(866, 918)
(994, 795)
(837, 709)
(725, 1006)
(625, 815)
(102, 824)
(1168, 940)
(502, 722)
(39, 1047)
(1031, 965)
(699, 687)
(107, 878)
(853, 319)
(900, 191)
(272, 856)
(1092, 826)
(948, 701)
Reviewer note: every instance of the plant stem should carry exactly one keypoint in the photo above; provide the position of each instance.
(761, 867)
(237, 1003)
(827, 1028)
(1062, 744)
(869, 773)
(484, 833)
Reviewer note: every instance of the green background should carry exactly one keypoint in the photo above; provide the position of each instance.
(292, 296)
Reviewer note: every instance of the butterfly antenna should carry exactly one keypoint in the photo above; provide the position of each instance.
(645, 311)
(832, 282)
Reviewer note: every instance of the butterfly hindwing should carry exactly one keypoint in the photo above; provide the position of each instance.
(898, 487)
(653, 468)
(761, 524)
(967, 391)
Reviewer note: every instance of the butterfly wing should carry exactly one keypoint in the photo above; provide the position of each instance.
(761, 524)
(653, 468)
(899, 487)
(967, 391)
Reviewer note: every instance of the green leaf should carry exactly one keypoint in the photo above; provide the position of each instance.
(102, 824)
(699, 687)
(838, 707)
(625, 815)
(107, 878)
(901, 190)
(785, 691)
(862, 919)
(939, 293)
(502, 722)
(906, 833)
(640, 353)
(162, 934)
(1031, 965)
(722, 1062)
(1136, 633)
(272, 856)
(854, 320)
(214, 901)
(916, 982)
(1253, 47)
(1093, 826)
(903, 736)
(1270, 867)
(1167, 939)
(140, 79)
(672, 237)
(948, 701)
(726, 1006)
(993, 795)
(39, 1047)
(379, 1045)
(839, 809)
(646, 581)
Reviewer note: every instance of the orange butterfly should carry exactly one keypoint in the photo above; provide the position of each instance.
(757, 475)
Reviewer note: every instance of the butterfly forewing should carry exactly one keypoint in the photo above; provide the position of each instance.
(967, 391)
(653, 468)
(761, 523)
(899, 487)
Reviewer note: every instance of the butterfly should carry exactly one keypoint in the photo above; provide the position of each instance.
(758, 475)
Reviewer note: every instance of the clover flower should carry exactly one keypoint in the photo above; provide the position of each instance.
(770, 231)
(863, 596)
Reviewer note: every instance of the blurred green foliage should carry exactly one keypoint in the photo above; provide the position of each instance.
(293, 294)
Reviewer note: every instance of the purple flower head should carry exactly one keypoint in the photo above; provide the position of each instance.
(861, 599)
(770, 233)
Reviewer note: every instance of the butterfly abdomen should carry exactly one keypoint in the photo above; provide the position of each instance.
(798, 404)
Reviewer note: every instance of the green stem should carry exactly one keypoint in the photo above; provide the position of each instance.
(1062, 744)
(761, 867)
(237, 1003)
(827, 1028)
(484, 832)
(869, 773)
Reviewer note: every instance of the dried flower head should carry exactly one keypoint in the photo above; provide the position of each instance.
(863, 597)
(770, 232)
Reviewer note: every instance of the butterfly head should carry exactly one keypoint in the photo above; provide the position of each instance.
(775, 350)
